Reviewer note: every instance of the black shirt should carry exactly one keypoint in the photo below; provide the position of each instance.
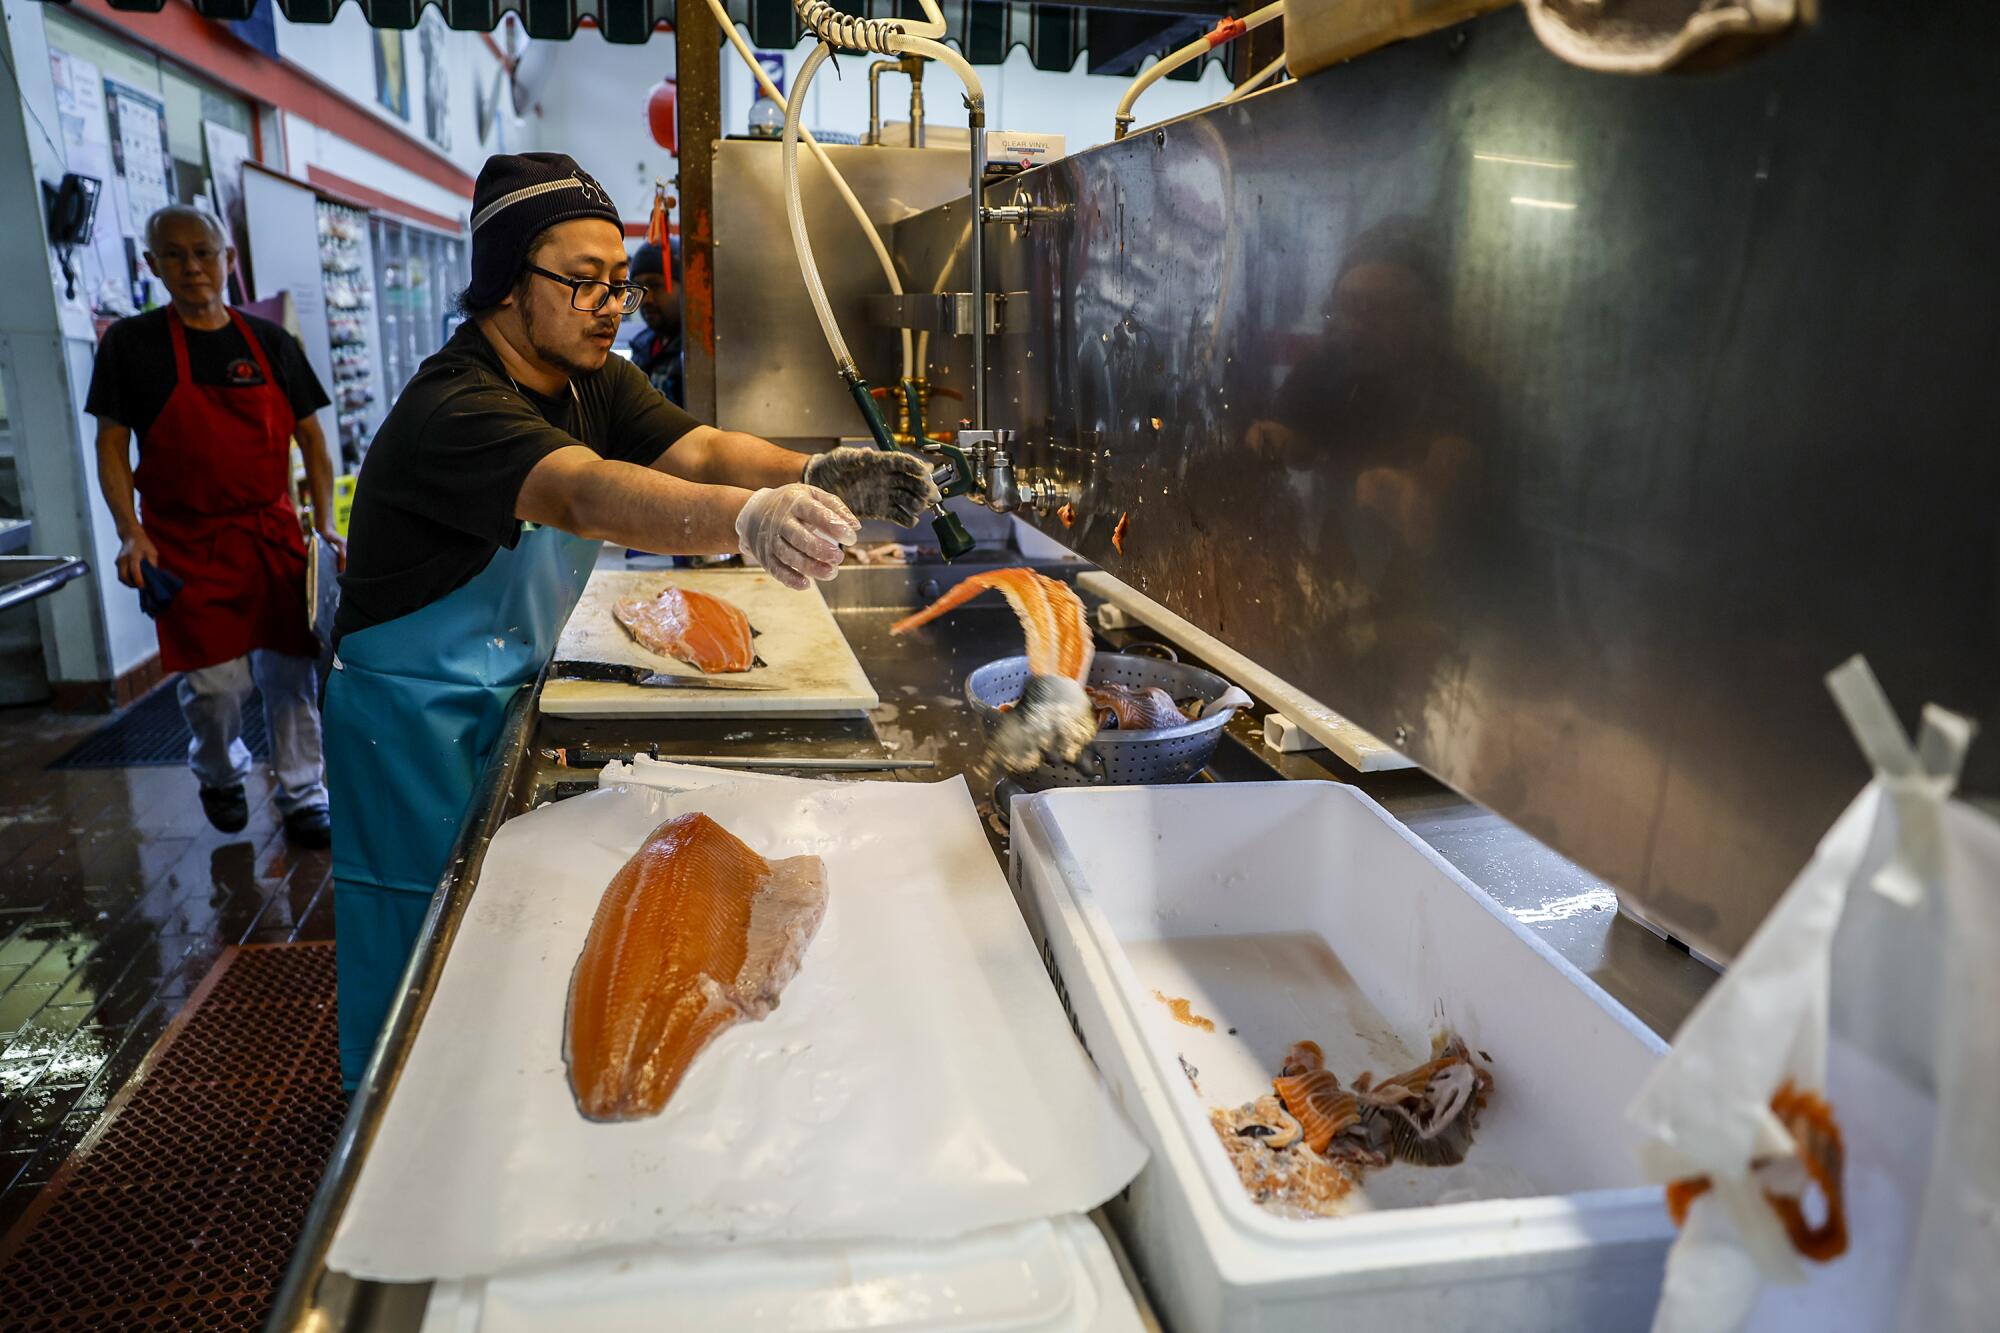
(437, 490)
(134, 373)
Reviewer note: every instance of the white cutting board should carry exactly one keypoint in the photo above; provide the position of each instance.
(804, 653)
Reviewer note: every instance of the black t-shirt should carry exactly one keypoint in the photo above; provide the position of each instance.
(134, 373)
(437, 490)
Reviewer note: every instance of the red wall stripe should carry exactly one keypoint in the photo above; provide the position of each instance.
(179, 32)
(366, 196)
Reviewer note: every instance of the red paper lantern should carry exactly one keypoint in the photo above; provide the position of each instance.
(663, 115)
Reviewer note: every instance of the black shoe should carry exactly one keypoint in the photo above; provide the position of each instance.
(226, 807)
(309, 828)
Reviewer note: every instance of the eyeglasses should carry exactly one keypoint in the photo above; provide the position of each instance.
(590, 295)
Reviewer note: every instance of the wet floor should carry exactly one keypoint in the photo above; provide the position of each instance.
(116, 897)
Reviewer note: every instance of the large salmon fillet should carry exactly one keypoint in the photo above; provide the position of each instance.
(695, 933)
(703, 631)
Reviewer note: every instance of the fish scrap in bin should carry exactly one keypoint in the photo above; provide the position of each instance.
(695, 933)
(706, 632)
(1263, 1142)
(1424, 1116)
(1183, 1011)
(1314, 1097)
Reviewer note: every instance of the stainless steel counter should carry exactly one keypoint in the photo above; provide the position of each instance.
(923, 719)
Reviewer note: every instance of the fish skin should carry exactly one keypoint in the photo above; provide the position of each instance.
(1051, 615)
(695, 933)
(706, 632)
(1127, 709)
(1318, 1103)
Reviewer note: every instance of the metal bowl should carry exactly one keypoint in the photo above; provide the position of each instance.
(1167, 754)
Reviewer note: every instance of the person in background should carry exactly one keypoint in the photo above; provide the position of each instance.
(215, 398)
(656, 349)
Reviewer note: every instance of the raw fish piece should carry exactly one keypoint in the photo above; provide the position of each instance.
(1122, 708)
(1821, 1159)
(705, 632)
(1050, 611)
(1055, 717)
(1262, 1141)
(1318, 1103)
(695, 933)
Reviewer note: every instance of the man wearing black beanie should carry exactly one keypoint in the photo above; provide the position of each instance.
(511, 455)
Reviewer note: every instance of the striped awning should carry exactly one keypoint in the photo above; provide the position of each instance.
(1118, 34)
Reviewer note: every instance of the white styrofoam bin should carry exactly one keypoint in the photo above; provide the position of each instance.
(1057, 1275)
(1297, 910)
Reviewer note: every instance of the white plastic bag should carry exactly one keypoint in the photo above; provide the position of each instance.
(1871, 983)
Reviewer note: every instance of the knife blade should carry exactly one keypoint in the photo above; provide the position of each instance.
(624, 673)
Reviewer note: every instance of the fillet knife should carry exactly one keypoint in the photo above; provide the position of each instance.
(624, 673)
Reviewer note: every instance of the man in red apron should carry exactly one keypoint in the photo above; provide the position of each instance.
(215, 398)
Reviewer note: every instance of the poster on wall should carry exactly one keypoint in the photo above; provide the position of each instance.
(260, 30)
(228, 149)
(139, 154)
(392, 80)
(437, 89)
(104, 284)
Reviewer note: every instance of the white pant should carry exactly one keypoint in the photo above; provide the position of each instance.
(212, 701)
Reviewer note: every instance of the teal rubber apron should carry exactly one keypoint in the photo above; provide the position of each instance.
(414, 708)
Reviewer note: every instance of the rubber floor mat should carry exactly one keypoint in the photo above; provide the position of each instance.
(152, 733)
(181, 1208)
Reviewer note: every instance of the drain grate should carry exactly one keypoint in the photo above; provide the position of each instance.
(152, 733)
(180, 1210)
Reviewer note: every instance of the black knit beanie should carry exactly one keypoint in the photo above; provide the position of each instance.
(517, 198)
(648, 259)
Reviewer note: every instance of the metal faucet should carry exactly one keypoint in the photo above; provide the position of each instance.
(912, 66)
(980, 465)
(1002, 496)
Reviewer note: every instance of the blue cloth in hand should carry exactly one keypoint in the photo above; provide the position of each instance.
(156, 588)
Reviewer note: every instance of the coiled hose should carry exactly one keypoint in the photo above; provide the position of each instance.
(878, 35)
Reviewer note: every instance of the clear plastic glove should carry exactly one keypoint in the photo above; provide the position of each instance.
(1053, 720)
(795, 532)
(876, 483)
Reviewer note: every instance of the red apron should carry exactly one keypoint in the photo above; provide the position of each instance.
(213, 494)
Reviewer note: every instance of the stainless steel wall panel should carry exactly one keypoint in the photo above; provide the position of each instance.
(1562, 428)
(773, 373)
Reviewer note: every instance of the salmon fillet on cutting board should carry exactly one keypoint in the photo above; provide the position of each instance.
(695, 933)
(705, 632)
